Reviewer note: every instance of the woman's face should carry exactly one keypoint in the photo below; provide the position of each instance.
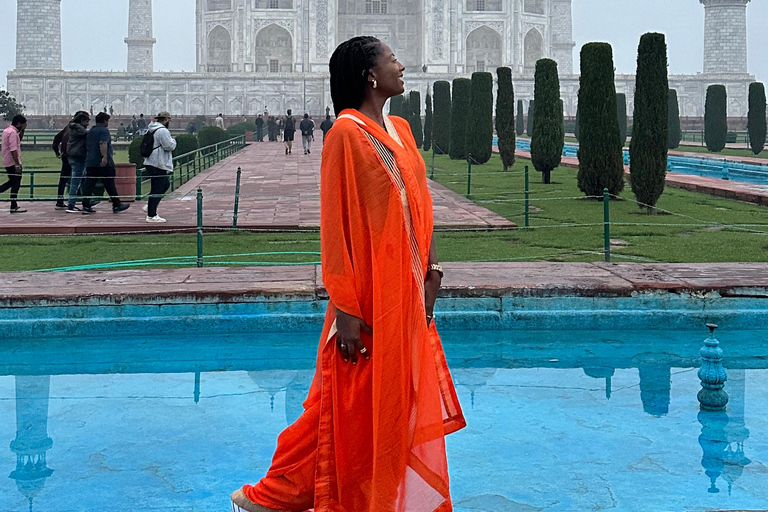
(388, 73)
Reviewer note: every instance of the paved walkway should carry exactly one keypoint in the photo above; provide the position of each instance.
(238, 284)
(278, 191)
(738, 190)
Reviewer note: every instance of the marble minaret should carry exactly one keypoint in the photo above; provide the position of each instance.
(38, 34)
(140, 41)
(725, 36)
(562, 36)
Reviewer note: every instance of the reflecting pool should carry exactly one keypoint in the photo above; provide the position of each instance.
(557, 420)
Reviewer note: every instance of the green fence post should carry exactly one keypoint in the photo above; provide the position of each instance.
(31, 185)
(138, 183)
(237, 197)
(527, 195)
(469, 174)
(607, 224)
(199, 227)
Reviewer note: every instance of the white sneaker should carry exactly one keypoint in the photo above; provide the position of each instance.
(145, 208)
(156, 218)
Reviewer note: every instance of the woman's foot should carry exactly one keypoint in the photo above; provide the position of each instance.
(241, 503)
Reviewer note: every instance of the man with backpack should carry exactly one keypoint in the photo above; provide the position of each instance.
(307, 127)
(100, 165)
(157, 149)
(289, 130)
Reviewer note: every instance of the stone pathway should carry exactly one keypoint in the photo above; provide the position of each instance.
(278, 191)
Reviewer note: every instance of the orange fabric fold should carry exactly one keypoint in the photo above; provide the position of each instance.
(372, 437)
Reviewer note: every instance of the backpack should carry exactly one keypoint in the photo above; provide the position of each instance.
(148, 144)
(289, 124)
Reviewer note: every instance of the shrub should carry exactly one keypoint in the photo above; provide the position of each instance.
(673, 124)
(459, 114)
(9, 107)
(195, 125)
(548, 131)
(209, 135)
(715, 118)
(405, 112)
(428, 124)
(531, 113)
(505, 117)
(576, 124)
(415, 118)
(520, 122)
(134, 152)
(480, 131)
(396, 105)
(240, 128)
(601, 163)
(621, 113)
(185, 143)
(756, 125)
(441, 129)
(650, 137)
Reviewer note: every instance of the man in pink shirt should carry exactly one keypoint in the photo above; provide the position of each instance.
(12, 159)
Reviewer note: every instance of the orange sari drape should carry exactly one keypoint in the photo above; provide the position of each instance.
(371, 438)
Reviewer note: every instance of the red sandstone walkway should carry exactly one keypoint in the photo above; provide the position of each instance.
(741, 191)
(278, 191)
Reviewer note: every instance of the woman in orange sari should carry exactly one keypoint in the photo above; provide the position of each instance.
(372, 435)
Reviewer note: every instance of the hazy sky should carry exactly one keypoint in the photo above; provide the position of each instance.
(620, 22)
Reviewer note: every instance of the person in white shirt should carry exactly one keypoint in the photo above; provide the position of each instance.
(220, 121)
(159, 164)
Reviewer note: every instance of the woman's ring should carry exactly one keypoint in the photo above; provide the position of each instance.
(363, 350)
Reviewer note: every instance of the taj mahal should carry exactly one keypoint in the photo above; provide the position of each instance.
(253, 54)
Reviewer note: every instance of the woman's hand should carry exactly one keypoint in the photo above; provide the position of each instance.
(348, 340)
(431, 287)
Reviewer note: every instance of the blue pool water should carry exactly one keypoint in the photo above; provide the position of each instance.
(707, 167)
(558, 419)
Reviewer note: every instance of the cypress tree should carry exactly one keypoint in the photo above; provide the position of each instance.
(650, 138)
(428, 124)
(441, 127)
(716, 118)
(756, 117)
(675, 132)
(505, 117)
(459, 114)
(621, 112)
(576, 125)
(396, 105)
(601, 163)
(414, 102)
(520, 122)
(405, 111)
(548, 130)
(531, 113)
(480, 131)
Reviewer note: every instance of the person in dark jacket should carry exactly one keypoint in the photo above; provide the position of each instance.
(76, 153)
(326, 125)
(259, 129)
(272, 129)
(307, 127)
(60, 148)
(100, 165)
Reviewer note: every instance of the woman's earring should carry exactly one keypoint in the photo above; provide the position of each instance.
(375, 84)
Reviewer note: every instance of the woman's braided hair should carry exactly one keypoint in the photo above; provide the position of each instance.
(349, 66)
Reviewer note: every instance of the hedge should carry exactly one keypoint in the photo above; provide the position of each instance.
(601, 162)
(716, 118)
(621, 113)
(548, 130)
(414, 118)
(459, 113)
(650, 137)
(428, 124)
(505, 117)
(529, 125)
(185, 143)
(209, 135)
(520, 122)
(241, 128)
(480, 120)
(441, 129)
(396, 105)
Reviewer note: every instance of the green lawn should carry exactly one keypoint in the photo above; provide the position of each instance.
(564, 227)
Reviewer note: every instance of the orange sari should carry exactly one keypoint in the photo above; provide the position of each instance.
(372, 437)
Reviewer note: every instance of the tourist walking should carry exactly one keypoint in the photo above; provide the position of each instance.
(259, 129)
(141, 125)
(219, 122)
(11, 151)
(288, 132)
(307, 127)
(77, 151)
(100, 165)
(371, 437)
(326, 125)
(159, 165)
(65, 175)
